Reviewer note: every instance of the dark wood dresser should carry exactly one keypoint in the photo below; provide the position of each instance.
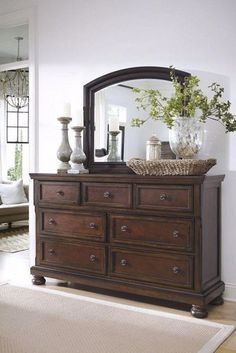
(157, 237)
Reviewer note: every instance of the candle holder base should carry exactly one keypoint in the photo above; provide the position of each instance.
(64, 151)
(78, 169)
(63, 169)
(78, 156)
(113, 155)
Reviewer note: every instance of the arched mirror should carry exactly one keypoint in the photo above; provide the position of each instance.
(109, 104)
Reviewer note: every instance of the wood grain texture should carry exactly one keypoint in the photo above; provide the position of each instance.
(107, 194)
(162, 268)
(152, 231)
(59, 192)
(82, 257)
(73, 224)
(158, 237)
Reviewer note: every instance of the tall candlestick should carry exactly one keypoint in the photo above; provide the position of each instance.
(114, 155)
(78, 156)
(64, 151)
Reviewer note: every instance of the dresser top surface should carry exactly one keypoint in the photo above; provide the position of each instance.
(131, 178)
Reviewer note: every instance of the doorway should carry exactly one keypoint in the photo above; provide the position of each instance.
(17, 142)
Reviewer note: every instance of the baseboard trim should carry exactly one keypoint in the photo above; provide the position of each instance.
(230, 292)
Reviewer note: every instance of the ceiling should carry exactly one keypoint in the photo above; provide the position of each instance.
(8, 43)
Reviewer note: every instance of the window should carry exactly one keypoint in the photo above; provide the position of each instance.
(118, 110)
(17, 124)
(14, 142)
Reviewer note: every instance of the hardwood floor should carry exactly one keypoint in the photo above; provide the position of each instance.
(14, 268)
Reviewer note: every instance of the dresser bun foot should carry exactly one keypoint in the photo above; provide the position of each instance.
(38, 280)
(218, 301)
(199, 312)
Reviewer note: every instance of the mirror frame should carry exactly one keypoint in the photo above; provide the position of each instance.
(134, 73)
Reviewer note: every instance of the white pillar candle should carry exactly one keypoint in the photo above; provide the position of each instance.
(114, 123)
(77, 116)
(66, 110)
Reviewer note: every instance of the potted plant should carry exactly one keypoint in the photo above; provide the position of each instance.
(184, 112)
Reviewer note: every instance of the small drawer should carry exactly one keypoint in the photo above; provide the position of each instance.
(166, 198)
(60, 193)
(152, 231)
(75, 256)
(159, 268)
(73, 224)
(104, 194)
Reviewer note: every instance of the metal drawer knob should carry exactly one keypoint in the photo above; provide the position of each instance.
(60, 193)
(163, 197)
(123, 262)
(51, 252)
(92, 225)
(51, 221)
(107, 194)
(124, 228)
(176, 270)
(92, 258)
(175, 234)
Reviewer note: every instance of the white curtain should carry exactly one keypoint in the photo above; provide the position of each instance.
(100, 120)
(1, 135)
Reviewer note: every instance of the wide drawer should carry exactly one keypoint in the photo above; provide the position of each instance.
(164, 197)
(73, 256)
(156, 268)
(152, 231)
(105, 194)
(73, 224)
(59, 192)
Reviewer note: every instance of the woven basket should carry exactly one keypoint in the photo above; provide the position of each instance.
(171, 166)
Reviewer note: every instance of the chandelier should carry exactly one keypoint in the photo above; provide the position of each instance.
(15, 84)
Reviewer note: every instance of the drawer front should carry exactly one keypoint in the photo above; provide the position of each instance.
(73, 224)
(59, 192)
(75, 256)
(172, 198)
(104, 194)
(151, 267)
(152, 231)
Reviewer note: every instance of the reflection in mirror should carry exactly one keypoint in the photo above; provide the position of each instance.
(114, 109)
(109, 105)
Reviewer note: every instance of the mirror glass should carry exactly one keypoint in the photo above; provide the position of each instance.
(109, 107)
(114, 106)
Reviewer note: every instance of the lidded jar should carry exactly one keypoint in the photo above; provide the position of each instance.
(153, 149)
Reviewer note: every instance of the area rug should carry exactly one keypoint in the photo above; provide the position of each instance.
(14, 239)
(38, 321)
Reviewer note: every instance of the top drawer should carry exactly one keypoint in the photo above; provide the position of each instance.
(164, 197)
(59, 192)
(105, 194)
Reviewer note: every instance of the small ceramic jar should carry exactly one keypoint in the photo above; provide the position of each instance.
(153, 149)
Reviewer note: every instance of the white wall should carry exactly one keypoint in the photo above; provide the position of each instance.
(13, 5)
(79, 40)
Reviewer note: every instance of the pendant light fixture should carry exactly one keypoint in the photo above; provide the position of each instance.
(15, 83)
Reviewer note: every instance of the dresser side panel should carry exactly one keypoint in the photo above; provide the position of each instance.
(210, 234)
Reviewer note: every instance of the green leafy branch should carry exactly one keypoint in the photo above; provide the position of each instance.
(185, 101)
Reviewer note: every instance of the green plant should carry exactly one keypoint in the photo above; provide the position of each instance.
(15, 172)
(186, 100)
